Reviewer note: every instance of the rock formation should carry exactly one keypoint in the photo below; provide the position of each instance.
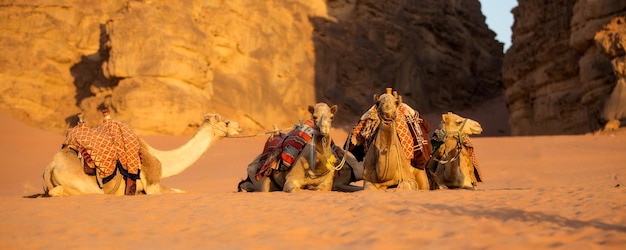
(160, 65)
(612, 42)
(556, 79)
(439, 55)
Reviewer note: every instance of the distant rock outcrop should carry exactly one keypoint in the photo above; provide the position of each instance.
(612, 42)
(160, 65)
(556, 79)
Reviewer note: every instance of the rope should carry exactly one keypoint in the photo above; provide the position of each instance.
(248, 136)
(458, 152)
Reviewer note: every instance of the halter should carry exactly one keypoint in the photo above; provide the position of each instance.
(459, 143)
(458, 132)
(382, 117)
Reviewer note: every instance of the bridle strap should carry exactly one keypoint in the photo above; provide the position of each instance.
(458, 132)
(459, 142)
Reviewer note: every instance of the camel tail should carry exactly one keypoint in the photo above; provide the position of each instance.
(47, 179)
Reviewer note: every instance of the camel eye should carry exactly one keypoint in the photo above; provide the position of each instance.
(315, 117)
(459, 122)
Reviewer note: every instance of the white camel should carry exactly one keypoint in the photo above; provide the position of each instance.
(65, 175)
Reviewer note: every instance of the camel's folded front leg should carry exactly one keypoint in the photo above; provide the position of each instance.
(422, 179)
(60, 191)
(291, 187)
(266, 183)
(368, 185)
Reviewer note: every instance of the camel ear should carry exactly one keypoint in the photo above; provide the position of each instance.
(212, 118)
(444, 117)
(311, 109)
(375, 98)
(333, 109)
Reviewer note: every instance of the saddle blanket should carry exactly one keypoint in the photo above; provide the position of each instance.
(282, 150)
(411, 129)
(102, 147)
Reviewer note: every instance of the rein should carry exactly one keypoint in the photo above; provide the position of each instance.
(275, 131)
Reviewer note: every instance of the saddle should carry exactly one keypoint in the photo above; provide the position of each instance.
(106, 150)
(411, 129)
(281, 150)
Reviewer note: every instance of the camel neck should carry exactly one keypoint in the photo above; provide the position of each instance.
(177, 160)
(322, 144)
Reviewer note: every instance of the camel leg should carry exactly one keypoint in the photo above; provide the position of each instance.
(152, 189)
(165, 189)
(323, 187)
(246, 185)
(408, 184)
(367, 185)
(290, 187)
(60, 191)
(266, 184)
(422, 179)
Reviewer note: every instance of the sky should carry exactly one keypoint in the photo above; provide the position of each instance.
(499, 18)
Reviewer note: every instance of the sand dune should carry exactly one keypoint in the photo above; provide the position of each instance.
(563, 192)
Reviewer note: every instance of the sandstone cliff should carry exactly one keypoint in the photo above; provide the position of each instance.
(612, 42)
(557, 80)
(160, 65)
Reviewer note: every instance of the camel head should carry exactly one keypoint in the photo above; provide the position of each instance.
(222, 126)
(323, 116)
(387, 104)
(454, 123)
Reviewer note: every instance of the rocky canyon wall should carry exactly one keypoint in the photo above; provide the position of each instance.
(160, 65)
(557, 76)
(440, 55)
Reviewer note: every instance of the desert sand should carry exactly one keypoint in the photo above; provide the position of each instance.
(562, 192)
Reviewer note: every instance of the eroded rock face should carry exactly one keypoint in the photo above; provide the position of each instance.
(611, 40)
(556, 79)
(160, 66)
(439, 55)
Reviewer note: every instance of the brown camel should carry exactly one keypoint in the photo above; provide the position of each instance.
(394, 141)
(65, 175)
(315, 165)
(454, 162)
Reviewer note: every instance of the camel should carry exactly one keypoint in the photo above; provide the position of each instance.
(352, 171)
(315, 166)
(65, 176)
(386, 163)
(454, 163)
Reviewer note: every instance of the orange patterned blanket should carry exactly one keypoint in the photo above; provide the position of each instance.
(411, 129)
(107, 144)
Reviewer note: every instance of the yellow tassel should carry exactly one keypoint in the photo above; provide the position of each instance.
(330, 163)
